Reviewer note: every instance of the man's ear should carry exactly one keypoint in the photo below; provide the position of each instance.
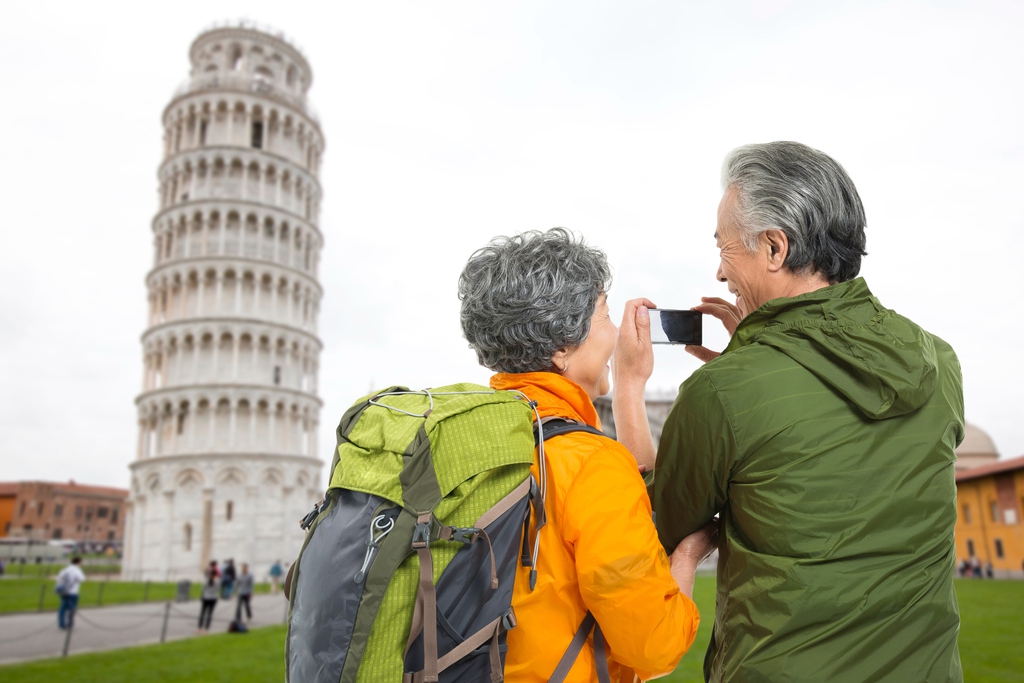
(778, 248)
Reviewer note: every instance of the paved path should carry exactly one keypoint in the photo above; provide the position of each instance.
(24, 637)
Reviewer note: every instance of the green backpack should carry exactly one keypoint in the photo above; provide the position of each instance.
(409, 563)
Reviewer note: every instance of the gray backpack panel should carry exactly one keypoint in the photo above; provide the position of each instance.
(325, 597)
(466, 602)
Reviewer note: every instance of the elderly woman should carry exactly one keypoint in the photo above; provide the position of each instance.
(535, 310)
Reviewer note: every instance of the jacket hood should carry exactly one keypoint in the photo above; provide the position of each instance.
(881, 362)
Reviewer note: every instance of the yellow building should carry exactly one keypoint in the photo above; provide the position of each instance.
(990, 500)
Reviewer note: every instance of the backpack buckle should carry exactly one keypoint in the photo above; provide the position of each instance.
(421, 534)
(308, 519)
(460, 534)
(508, 621)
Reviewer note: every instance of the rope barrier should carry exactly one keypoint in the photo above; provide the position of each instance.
(125, 628)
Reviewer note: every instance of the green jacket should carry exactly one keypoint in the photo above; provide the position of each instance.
(825, 437)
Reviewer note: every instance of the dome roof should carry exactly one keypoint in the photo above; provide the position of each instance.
(976, 442)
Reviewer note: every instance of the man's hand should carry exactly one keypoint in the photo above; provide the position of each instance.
(633, 361)
(690, 552)
(728, 313)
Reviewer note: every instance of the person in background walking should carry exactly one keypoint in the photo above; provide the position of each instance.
(276, 572)
(210, 592)
(228, 576)
(68, 582)
(246, 582)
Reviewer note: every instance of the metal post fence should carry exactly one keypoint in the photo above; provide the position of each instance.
(42, 595)
(99, 598)
(67, 636)
(167, 615)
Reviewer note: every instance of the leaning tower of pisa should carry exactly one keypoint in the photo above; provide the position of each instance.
(228, 413)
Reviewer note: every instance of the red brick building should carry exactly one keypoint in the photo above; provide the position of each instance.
(42, 511)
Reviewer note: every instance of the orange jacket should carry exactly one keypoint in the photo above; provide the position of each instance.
(599, 551)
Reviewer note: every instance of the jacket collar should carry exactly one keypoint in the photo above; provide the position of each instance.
(818, 306)
(555, 395)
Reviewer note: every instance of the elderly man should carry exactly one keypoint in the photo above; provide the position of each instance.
(823, 435)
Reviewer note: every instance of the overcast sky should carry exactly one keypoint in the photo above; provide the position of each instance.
(448, 123)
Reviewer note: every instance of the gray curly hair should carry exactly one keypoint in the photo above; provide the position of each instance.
(527, 296)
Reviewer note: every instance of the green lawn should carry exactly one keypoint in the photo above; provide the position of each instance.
(222, 658)
(22, 595)
(990, 637)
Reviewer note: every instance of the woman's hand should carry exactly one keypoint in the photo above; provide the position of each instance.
(728, 313)
(633, 361)
(632, 365)
(690, 552)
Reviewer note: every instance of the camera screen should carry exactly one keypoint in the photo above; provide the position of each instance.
(675, 327)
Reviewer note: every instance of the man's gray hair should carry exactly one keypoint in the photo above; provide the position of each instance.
(527, 296)
(806, 194)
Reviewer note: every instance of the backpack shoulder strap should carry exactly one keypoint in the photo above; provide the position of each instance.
(556, 426)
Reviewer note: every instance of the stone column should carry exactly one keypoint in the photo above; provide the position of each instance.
(207, 529)
(288, 519)
(200, 285)
(251, 512)
(165, 561)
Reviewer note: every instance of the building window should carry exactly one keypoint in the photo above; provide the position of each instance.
(78, 511)
(39, 510)
(257, 134)
(102, 512)
(202, 131)
(970, 548)
(113, 516)
(277, 374)
(88, 515)
(967, 514)
(110, 535)
(181, 423)
(994, 509)
(188, 537)
(58, 510)
(229, 510)
(22, 511)
(58, 533)
(999, 549)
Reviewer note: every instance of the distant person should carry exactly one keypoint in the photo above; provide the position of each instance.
(227, 578)
(69, 580)
(3, 567)
(276, 572)
(246, 582)
(975, 567)
(211, 589)
(961, 568)
(989, 574)
(214, 568)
